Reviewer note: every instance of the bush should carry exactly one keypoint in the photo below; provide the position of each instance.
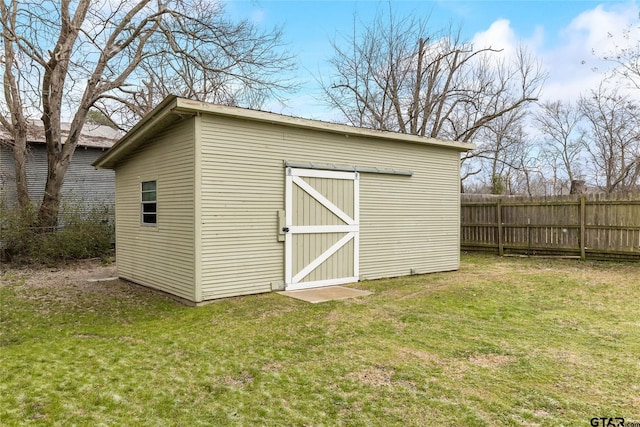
(81, 235)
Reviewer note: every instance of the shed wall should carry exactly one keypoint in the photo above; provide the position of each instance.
(160, 256)
(408, 224)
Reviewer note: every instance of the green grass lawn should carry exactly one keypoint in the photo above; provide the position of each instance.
(503, 341)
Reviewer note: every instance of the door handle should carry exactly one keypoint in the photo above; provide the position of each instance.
(285, 229)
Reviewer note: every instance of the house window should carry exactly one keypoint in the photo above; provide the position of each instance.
(149, 204)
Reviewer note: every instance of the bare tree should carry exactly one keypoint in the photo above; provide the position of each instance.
(612, 138)
(563, 145)
(16, 123)
(72, 56)
(626, 56)
(503, 151)
(394, 74)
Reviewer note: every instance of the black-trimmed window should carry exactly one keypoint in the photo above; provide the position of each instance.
(149, 204)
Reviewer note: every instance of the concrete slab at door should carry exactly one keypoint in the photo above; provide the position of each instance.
(330, 293)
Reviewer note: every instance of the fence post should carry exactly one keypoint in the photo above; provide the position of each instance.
(499, 218)
(583, 227)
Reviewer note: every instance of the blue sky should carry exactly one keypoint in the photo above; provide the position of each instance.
(561, 34)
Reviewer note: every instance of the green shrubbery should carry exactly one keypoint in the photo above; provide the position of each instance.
(82, 234)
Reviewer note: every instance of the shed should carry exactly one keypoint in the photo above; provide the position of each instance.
(84, 186)
(215, 201)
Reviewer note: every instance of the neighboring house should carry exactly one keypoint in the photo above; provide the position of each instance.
(84, 185)
(215, 201)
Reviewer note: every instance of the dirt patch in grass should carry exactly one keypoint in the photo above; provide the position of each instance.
(376, 376)
(273, 367)
(86, 284)
(240, 380)
(77, 273)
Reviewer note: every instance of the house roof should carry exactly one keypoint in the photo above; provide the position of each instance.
(173, 108)
(94, 136)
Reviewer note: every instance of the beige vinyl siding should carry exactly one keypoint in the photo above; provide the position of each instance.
(160, 256)
(407, 224)
(404, 228)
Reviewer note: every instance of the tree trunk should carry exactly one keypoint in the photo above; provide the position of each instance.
(56, 170)
(577, 187)
(50, 207)
(14, 122)
(20, 166)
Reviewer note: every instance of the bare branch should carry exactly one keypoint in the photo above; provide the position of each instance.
(396, 74)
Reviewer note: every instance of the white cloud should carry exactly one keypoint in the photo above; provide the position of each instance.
(499, 35)
(573, 57)
(601, 29)
(574, 63)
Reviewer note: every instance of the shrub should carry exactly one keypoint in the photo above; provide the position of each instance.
(81, 235)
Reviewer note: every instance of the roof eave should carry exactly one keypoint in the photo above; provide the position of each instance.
(109, 159)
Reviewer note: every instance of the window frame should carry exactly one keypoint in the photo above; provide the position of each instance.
(145, 205)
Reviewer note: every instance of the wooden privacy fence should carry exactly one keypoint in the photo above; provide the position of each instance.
(585, 226)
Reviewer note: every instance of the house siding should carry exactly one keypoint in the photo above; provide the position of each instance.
(84, 187)
(160, 256)
(407, 224)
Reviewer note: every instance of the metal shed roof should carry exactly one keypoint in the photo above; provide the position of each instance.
(93, 136)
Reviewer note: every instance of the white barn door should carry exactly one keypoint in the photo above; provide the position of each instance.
(322, 217)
